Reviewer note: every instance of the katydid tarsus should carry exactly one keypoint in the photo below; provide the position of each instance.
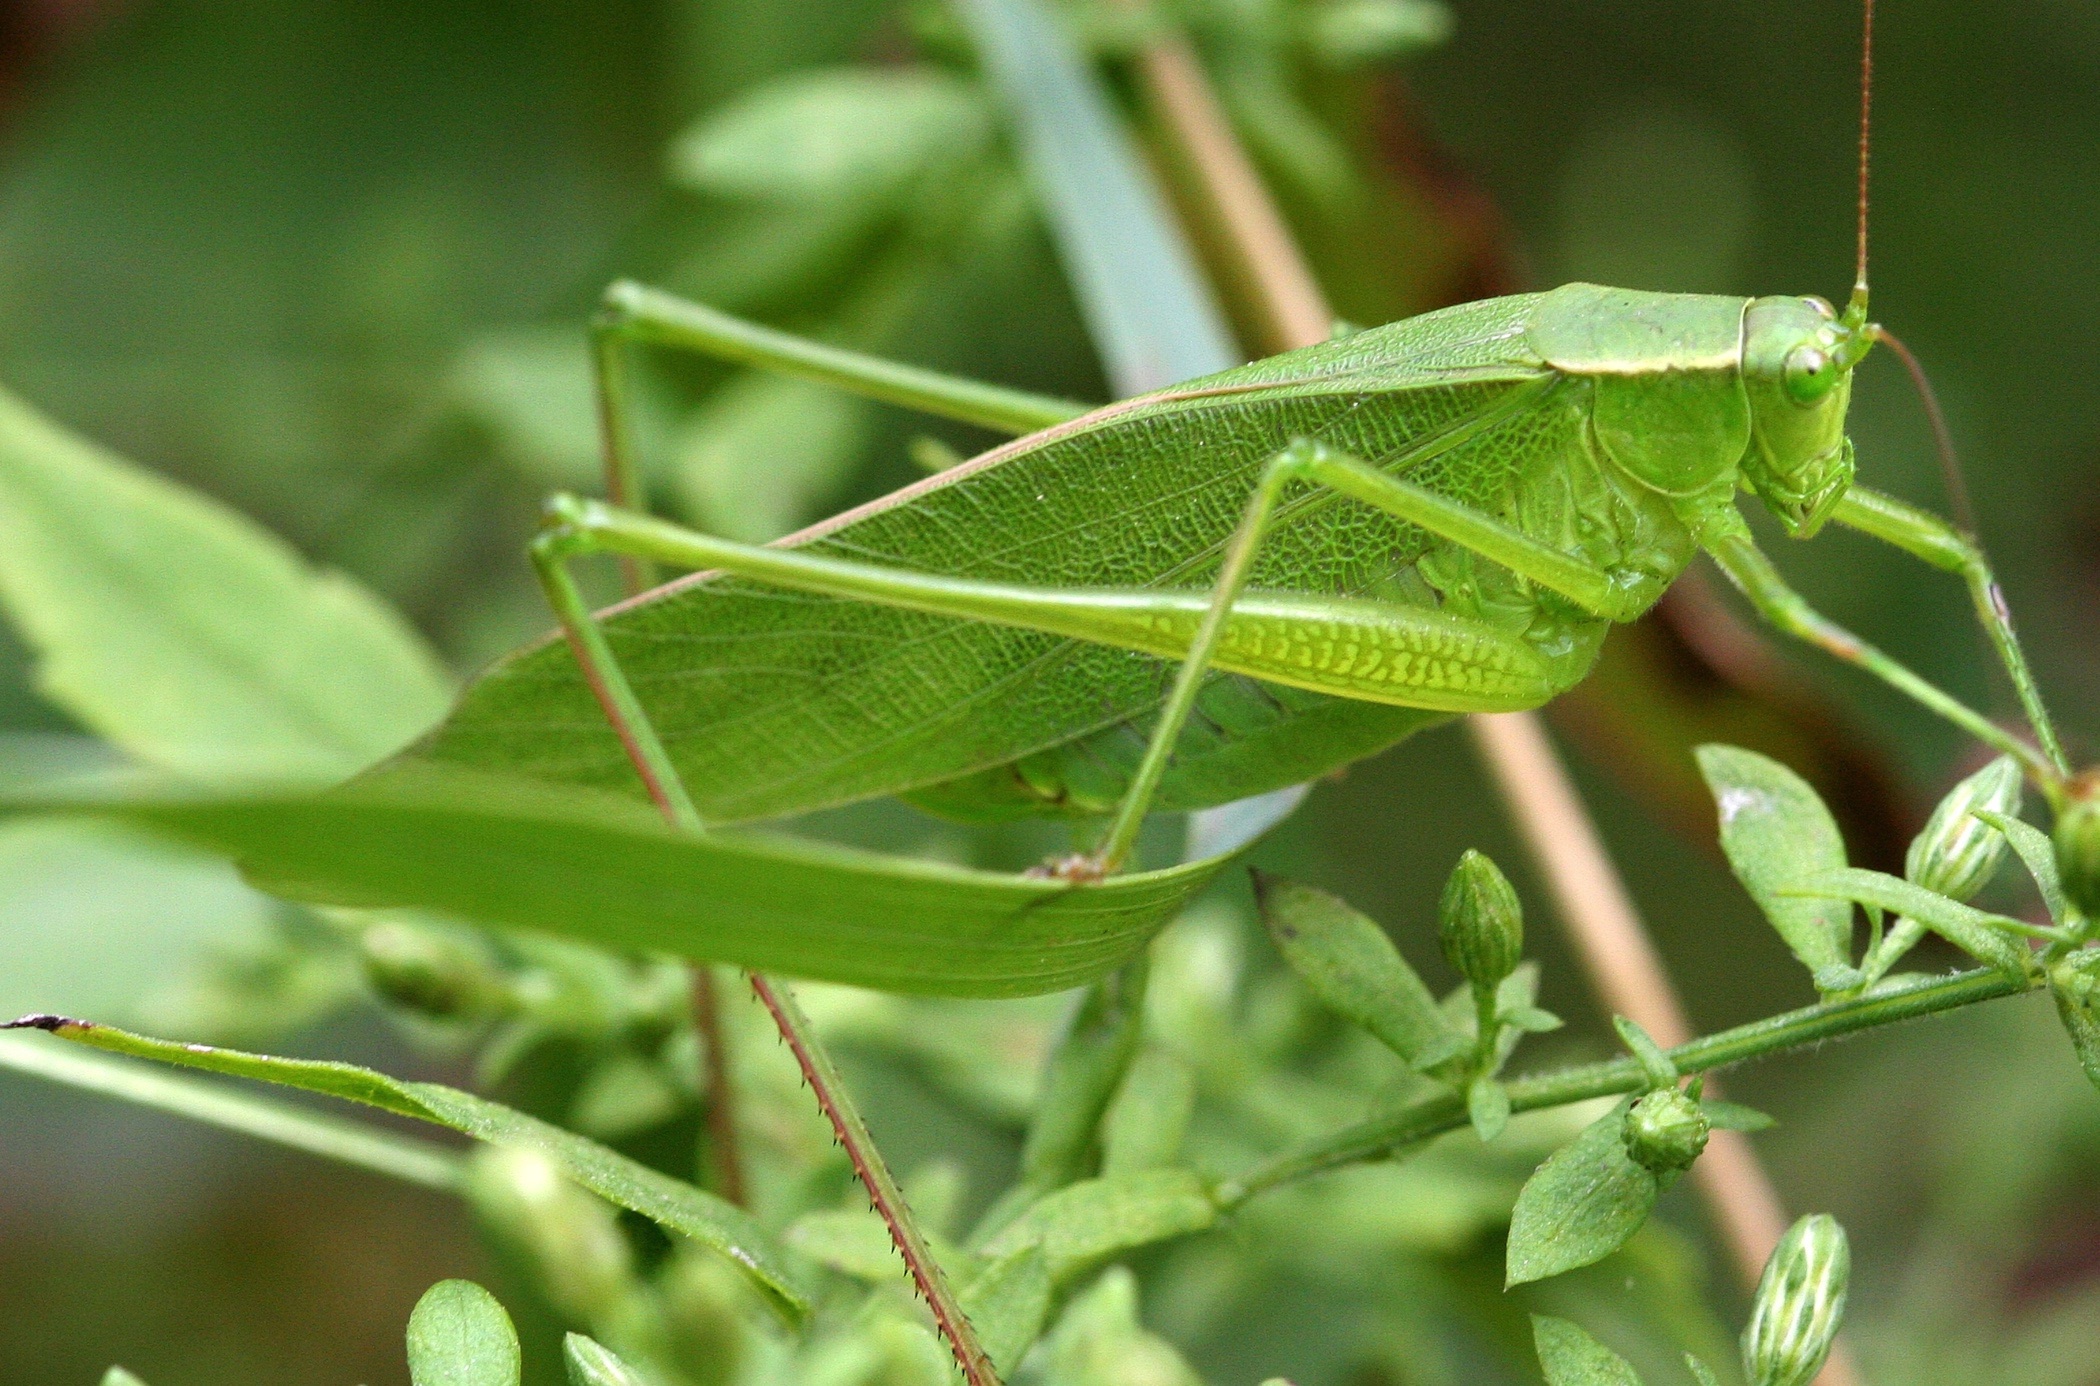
(1226, 586)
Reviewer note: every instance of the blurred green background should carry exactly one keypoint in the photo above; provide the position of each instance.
(331, 264)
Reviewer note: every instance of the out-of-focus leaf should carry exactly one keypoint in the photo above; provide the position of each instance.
(1777, 833)
(605, 870)
(851, 1241)
(1350, 964)
(1964, 926)
(1571, 1357)
(1487, 1107)
(459, 1335)
(838, 135)
(189, 636)
(1079, 1225)
(1734, 1116)
(676, 1206)
(1581, 1205)
(765, 454)
(117, 1376)
(99, 919)
(1144, 1125)
(1084, 1072)
(590, 1363)
(1099, 1341)
(531, 387)
(1008, 1302)
(2074, 981)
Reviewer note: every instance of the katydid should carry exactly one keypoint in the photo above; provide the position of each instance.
(1220, 588)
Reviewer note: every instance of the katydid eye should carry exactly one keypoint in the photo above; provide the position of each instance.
(1810, 372)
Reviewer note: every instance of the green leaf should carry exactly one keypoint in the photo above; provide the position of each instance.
(1009, 1301)
(1734, 1116)
(854, 134)
(459, 1335)
(2038, 854)
(606, 870)
(592, 1364)
(1144, 1125)
(1080, 1225)
(809, 435)
(1100, 1341)
(1082, 1077)
(189, 636)
(1656, 1065)
(2074, 982)
(1581, 1204)
(1531, 1019)
(1967, 928)
(851, 1241)
(1487, 1107)
(1350, 963)
(675, 1206)
(1776, 833)
(117, 1376)
(1701, 1373)
(1571, 1357)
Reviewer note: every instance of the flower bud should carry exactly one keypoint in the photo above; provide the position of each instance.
(429, 970)
(2078, 844)
(1800, 1301)
(1958, 852)
(1480, 922)
(1665, 1131)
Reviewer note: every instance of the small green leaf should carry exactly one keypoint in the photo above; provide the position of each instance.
(845, 134)
(1734, 1116)
(1531, 1019)
(809, 434)
(1350, 964)
(1008, 1302)
(186, 634)
(1661, 1072)
(1571, 1357)
(1083, 1074)
(1487, 1107)
(592, 1364)
(1967, 928)
(1701, 1373)
(1581, 1204)
(674, 1205)
(1144, 1126)
(2074, 981)
(1776, 832)
(851, 1241)
(1080, 1225)
(2037, 853)
(1099, 1341)
(117, 1376)
(459, 1335)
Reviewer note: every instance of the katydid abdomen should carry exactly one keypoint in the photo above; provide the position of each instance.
(773, 701)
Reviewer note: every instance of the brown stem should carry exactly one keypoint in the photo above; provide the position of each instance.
(724, 1150)
(1591, 899)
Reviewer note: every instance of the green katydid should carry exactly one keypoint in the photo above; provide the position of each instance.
(1337, 546)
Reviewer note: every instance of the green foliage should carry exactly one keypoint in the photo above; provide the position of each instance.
(1571, 1357)
(460, 1336)
(1778, 835)
(1582, 1203)
(238, 662)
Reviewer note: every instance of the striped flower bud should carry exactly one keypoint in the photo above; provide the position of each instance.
(1800, 1301)
(1480, 922)
(1958, 852)
(2078, 844)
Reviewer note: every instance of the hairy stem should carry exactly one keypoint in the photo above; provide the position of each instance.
(1381, 1135)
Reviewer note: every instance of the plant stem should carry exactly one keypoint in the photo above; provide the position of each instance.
(317, 1133)
(926, 1273)
(1419, 1121)
(724, 1149)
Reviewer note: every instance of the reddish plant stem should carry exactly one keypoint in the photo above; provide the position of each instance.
(724, 1150)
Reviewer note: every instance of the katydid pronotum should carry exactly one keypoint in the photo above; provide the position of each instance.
(1223, 587)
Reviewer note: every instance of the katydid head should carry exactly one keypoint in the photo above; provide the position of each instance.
(1798, 356)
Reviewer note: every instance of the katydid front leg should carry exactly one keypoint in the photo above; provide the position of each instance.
(1925, 535)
